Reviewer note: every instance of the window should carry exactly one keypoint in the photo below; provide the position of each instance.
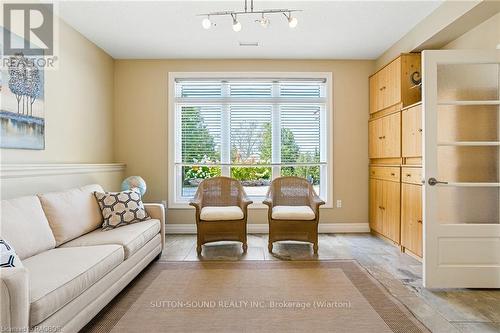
(253, 129)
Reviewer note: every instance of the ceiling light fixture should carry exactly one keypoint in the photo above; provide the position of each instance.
(236, 24)
(263, 21)
(206, 23)
(292, 21)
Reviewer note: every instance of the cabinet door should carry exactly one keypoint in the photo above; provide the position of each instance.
(372, 139)
(411, 218)
(392, 92)
(381, 87)
(390, 142)
(376, 205)
(374, 93)
(391, 210)
(412, 132)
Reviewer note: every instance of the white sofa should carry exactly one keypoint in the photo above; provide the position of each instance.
(70, 269)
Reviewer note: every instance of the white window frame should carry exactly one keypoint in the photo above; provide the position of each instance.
(174, 136)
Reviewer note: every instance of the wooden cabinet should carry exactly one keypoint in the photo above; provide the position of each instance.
(392, 84)
(395, 151)
(385, 208)
(391, 210)
(411, 175)
(411, 125)
(375, 204)
(385, 173)
(385, 136)
(391, 94)
(411, 218)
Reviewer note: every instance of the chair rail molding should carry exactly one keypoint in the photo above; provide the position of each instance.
(47, 169)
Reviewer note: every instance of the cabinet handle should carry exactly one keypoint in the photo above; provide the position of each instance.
(408, 175)
(382, 88)
(420, 130)
(380, 207)
(381, 137)
(419, 221)
(393, 174)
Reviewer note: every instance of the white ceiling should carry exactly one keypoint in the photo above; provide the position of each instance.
(171, 29)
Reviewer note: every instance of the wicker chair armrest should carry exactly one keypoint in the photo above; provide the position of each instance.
(245, 201)
(244, 204)
(268, 201)
(195, 203)
(197, 200)
(315, 201)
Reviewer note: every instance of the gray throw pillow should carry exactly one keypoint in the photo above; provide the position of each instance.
(121, 208)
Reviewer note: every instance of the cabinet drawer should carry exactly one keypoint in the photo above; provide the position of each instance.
(411, 175)
(385, 173)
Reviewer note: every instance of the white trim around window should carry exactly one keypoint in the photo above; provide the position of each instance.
(326, 147)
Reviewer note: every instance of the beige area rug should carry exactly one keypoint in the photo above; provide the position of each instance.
(323, 296)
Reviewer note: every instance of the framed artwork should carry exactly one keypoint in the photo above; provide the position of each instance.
(22, 118)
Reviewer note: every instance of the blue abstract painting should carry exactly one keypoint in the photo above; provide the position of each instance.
(22, 119)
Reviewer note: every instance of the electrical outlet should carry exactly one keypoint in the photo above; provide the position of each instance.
(339, 203)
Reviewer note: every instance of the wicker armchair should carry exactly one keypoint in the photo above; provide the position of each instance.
(293, 212)
(221, 211)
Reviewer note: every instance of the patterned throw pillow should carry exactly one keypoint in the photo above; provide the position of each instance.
(121, 208)
(8, 257)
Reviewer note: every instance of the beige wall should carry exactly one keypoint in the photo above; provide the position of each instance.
(141, 100)
(484, 36)
(78, 120)
(78, 106)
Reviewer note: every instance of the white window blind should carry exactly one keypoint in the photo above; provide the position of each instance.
(250, 129)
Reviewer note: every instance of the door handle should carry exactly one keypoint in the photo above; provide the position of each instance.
(433, 181)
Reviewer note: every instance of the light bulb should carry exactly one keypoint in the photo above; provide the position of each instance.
(264, 21)
(236, 25)
(206, 23)
(292, 22)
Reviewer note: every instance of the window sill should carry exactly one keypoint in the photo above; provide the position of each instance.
(257, 205)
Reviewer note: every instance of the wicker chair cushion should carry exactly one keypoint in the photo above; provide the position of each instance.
(221, 213)
(302, 213)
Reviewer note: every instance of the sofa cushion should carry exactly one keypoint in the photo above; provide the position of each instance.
(132, 237)
(121, 208)
(25, 227)
(60, 275)
(293, 213)
(72, 213)
(221, 213)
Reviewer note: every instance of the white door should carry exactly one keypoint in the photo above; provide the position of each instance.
(461, 101)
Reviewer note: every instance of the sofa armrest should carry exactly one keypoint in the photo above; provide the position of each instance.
(157, 211)
(14, 299)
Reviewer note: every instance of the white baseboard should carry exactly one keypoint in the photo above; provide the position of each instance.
(264, 228)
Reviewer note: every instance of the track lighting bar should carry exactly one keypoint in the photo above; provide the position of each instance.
(264, 21)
